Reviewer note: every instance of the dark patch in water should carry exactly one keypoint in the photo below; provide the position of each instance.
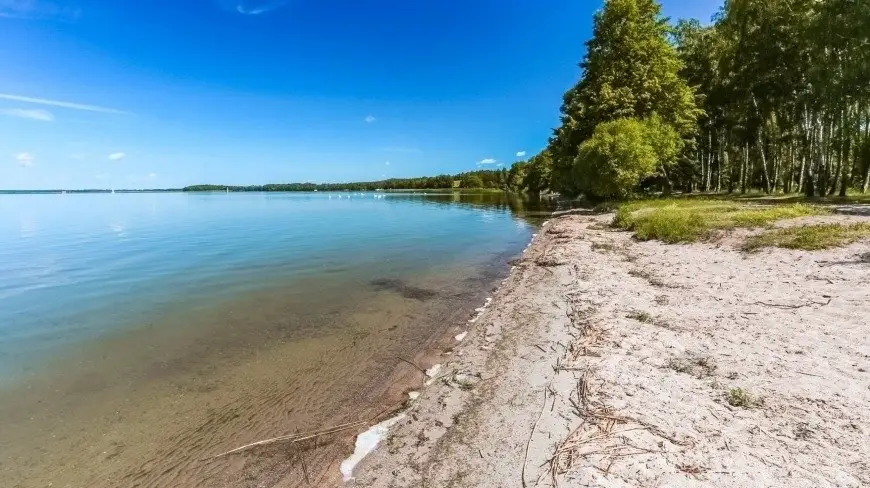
(403, 288)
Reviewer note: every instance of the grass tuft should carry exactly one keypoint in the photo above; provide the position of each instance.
(809, 237)
(641, 317)
(690, 220)
(738, 397)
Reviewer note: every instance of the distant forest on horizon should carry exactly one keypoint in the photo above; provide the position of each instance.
(481, 179)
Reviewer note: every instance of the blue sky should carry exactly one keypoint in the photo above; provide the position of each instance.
(166, 93)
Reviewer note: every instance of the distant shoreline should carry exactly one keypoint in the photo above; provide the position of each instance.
(232, 190)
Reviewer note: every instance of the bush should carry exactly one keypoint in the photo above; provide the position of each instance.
(621, 153)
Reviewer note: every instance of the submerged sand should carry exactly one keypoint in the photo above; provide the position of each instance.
(607, 362)
(151, 407)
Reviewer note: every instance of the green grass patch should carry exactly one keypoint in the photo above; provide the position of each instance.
(810, 237)
(641, 317)
(689, 220)
(738, 397)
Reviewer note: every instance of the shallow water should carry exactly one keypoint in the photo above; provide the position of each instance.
(142, 333)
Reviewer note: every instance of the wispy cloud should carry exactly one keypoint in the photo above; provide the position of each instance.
(487, 161)
(370, 119)
(500, 165)
(387, 163)
(253, 7)
(521, 154)
(37, 114)
(38, 9)
(117, 156)
(57, 103)
(152, 175)
(24, 159)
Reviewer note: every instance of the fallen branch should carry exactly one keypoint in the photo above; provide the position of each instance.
(532, 434)
(785, 306)
(294, 438)
(400, 358)
(299, 437)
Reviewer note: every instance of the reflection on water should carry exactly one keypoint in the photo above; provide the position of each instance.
(141, 333)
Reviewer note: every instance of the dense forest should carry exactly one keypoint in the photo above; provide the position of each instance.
(473, 179)
(773, 95)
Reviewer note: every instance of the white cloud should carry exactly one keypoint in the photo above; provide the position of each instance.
(35, 114)
(521, 154)
(484, 162)
(117, 156)
(253, 7)
(57, 103)
(370, 118)
(37, 9)
(152, 175)
(500, 165)
(387, 163)
(24, 159)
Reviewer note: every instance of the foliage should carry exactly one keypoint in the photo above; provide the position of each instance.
(774, 95)
(471, 181)
(631, 70)
(810, 237)
(689, 220)
(785, 86)
(614, 160)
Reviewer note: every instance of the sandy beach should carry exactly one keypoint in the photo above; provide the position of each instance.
(603, 361)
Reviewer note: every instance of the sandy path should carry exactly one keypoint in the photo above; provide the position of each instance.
(622, 356)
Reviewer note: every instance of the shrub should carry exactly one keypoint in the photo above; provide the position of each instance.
(621, 153)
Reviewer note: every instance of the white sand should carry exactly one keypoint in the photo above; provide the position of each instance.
(619, 357)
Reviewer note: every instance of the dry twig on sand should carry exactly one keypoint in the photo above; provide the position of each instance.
(300, 437)
(532, 434)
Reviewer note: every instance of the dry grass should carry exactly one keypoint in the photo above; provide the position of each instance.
(810, 237)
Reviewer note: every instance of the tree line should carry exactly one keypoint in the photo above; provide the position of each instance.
(469, 180)
(773, 95)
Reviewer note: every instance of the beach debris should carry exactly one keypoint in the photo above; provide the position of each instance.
(412, 363)
(413, 395)
(460, 337)
(463, 381)
(366, 443)
(433, 371)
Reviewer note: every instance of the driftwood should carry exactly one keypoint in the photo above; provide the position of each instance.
(294, 438)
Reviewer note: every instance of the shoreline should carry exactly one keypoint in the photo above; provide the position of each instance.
(318, 379)
(603, 361)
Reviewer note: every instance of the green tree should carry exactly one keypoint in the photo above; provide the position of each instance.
(622, 153)
(631, 69)
(470, 180)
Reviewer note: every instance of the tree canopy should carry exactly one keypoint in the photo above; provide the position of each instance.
(773, 95)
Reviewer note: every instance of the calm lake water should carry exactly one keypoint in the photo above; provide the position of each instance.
(141, 333)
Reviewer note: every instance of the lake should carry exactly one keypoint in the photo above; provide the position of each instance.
(141, 334)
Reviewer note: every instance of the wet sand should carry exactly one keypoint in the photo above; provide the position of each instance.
(151, 407)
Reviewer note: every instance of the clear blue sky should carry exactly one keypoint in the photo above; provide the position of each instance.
(164, 93)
